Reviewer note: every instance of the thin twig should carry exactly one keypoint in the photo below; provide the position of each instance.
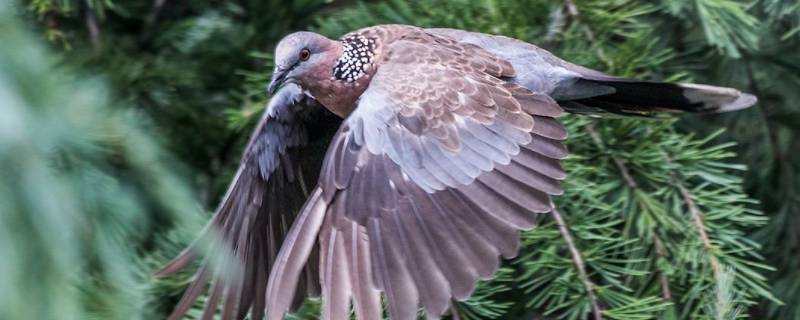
(697, 219)
(623, 169)
(91, 26)
(157, 5)
(579, 264)
(572, 14)
(571, 9)
(155, 10)
(666, 293)
(454, 309)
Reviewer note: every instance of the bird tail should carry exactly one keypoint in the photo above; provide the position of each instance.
(648, 98)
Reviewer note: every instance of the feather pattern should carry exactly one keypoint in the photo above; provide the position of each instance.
(294, 253)
(254, 216)
(334, 276)
(449, 148)
(366, 297)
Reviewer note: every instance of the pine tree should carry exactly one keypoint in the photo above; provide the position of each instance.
(83, 187)
(656, 221)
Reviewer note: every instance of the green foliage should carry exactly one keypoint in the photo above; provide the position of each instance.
(83, 188)
(180, 63)
(726, 24)
(484, 303)
(655, 222)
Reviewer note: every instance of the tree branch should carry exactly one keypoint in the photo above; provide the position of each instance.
(697, 220)
(570, 11)
(454, 310)
(155, 10)
(91, 26)
(666, 293)
(571, 8)
(579, 264)
(623, 169)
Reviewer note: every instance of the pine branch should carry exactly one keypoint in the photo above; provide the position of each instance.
(666, 293)
(722, 282)
(697, 219)
(579, 264)
(573, 14)
(623, 169)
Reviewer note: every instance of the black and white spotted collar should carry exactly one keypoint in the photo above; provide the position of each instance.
(357, 55)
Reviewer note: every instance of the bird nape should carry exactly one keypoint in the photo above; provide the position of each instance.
(449, 147)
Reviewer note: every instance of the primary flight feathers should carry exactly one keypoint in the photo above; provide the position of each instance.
(448, 148)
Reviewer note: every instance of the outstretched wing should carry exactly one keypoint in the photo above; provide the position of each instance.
(426, 184)
(266, 193)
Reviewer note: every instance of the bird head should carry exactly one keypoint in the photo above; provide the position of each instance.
(299, 55)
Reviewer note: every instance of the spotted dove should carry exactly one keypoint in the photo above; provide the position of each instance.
(406, 161)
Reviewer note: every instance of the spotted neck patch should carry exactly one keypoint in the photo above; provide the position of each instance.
(357, 55)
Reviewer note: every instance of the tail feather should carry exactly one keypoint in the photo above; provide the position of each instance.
(646, 98)
(719, 99)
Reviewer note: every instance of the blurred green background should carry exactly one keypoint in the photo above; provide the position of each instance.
(121, 123)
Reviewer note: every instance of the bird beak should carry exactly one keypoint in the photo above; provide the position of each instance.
(278, 78)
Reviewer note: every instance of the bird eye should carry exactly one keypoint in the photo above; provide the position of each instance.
(304, 54)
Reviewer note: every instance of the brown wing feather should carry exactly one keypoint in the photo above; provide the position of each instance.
(433, 247)
(254, 216)
(291, 260)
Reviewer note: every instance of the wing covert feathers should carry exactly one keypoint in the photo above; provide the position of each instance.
(447, 112)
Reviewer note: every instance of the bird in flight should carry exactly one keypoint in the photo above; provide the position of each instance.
(398, 164)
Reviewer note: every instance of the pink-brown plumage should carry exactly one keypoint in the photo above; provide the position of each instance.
(447, 146)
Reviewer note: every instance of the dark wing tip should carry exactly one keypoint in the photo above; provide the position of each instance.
(179, 263)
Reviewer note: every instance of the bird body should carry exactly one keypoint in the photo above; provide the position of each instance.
(442, 145)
